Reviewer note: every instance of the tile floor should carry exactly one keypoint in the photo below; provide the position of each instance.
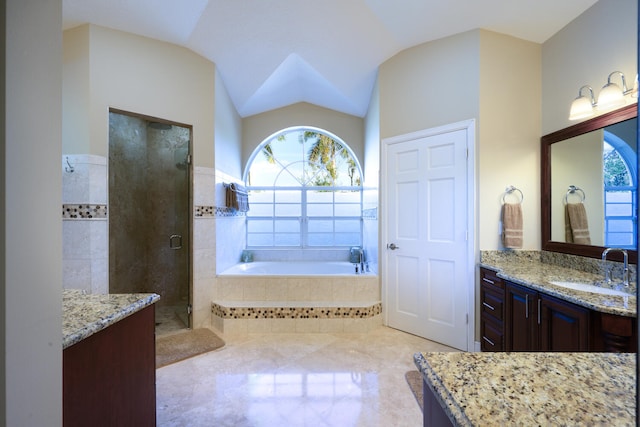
(296, 380)
(169, 319)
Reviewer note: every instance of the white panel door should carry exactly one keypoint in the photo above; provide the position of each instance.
(426, 279)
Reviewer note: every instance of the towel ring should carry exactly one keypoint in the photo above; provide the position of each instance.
(573, 190)
(510, 190)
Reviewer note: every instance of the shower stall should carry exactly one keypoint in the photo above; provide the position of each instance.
(150, 212)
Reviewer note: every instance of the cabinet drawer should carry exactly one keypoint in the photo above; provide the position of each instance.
(490, 278)
(492, 336)
(492, 303)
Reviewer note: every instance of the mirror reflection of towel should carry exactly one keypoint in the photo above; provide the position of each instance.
(576, 226)
(512, 225)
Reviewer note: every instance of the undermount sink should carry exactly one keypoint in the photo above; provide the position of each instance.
(586, 287)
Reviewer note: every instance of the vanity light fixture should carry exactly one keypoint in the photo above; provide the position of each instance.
(611, 96)
(582, 106)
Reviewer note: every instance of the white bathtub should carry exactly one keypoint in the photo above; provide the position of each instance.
(293, 268)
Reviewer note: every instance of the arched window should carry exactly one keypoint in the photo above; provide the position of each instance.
(305, 191)
(620, 192)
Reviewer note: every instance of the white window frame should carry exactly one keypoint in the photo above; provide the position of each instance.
(303, 218)
(628, 157)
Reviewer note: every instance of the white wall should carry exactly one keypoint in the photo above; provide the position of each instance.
(228, 133)
(371, 222)
(601, 40)
(32, 303)
(372, 140)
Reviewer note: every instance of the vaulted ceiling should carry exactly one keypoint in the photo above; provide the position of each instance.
(273, 53)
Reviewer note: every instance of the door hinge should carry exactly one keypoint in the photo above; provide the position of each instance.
(467, 315)
(189, 308)
(188, 159)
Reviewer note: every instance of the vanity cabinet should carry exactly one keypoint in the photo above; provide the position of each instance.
(109, 377)
(492, 309)
(540, 322)
(517, 318)
(521, 327)
(563, 326)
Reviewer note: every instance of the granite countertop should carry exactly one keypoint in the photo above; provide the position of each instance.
(85, 314)
(537, 275)
(576, 389)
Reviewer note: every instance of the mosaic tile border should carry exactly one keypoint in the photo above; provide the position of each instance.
(217, 211)
(84, 211)
(300, 312)
(371, 213)
(204, 211)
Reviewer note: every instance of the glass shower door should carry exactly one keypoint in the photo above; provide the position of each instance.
(149, 214)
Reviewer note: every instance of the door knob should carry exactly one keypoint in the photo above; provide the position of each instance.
(392, 246)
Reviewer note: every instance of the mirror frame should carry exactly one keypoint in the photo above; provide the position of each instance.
(616, 116)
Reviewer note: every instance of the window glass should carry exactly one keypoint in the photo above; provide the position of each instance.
(305, 190)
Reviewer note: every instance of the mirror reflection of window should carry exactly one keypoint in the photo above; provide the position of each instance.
(620, 192)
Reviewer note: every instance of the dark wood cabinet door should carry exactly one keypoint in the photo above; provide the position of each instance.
(109, 378)
(563, 326)
(521, 328)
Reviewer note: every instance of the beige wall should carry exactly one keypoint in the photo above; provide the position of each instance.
(31, 369)
(578, 162)
(139, 75)
(601, 40)
(482, 75)
(150, 77)
(508, 146)
(76, 90)
(257, 128)
(430, 85)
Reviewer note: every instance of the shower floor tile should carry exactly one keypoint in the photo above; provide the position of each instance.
(169, 320)
(296, 380)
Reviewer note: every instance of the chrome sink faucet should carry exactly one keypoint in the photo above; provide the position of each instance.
(625, 273)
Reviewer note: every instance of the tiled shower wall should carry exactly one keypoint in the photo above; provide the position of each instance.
(204, 244)
(85, 231)
(231, 227)
(84, 223)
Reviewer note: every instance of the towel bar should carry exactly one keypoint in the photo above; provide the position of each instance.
(573, 190)
(510, 190)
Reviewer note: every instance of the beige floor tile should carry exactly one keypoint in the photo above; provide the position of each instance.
(303, 379)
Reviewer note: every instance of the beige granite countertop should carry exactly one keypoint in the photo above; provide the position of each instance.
(533, 389)
(529, 271)
(85, 314)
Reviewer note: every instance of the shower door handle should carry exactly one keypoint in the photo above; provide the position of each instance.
(175, 242)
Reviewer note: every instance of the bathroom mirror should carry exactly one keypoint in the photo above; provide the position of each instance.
(594, 163)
